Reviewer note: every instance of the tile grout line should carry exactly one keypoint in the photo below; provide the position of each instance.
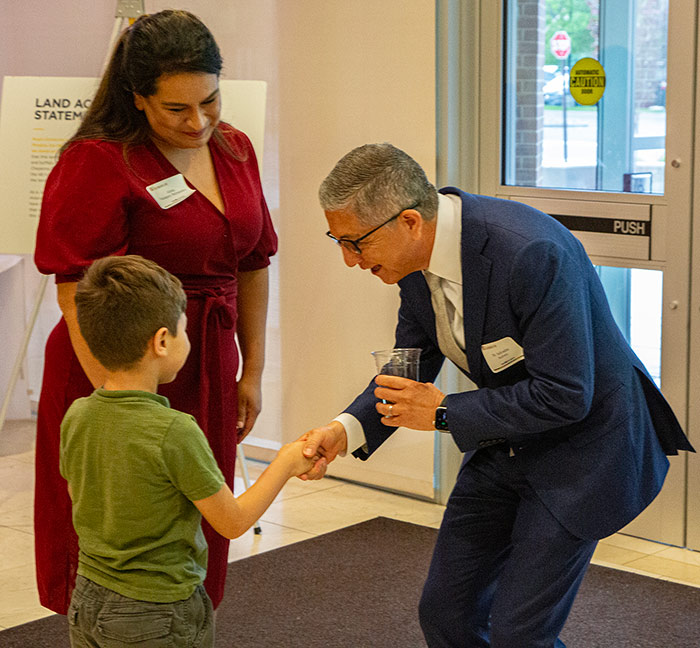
(640, 572)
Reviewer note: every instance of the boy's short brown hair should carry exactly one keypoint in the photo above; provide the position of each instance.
(121, 302)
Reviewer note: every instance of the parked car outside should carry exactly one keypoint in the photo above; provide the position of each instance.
(555, 89)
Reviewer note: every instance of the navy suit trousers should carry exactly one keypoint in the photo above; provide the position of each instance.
(504, 572)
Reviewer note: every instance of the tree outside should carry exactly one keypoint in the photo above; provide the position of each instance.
(579, 18)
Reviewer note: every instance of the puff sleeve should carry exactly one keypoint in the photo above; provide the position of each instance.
(259, 256)
(84, 210)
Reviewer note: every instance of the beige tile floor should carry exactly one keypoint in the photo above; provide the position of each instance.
(303, 510)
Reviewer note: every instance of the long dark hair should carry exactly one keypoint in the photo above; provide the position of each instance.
(166, 42)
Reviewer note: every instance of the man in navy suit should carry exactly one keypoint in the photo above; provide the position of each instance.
(566, 437)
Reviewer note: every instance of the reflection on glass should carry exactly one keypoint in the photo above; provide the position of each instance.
(550, 140)
(635, 298)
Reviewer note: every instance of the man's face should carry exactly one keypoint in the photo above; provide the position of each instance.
(391, 252)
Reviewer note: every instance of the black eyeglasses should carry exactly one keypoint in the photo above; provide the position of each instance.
(352, 245)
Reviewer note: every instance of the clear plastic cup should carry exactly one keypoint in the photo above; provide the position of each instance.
(398, 362)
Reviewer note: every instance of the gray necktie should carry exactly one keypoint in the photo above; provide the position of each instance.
(446, 339)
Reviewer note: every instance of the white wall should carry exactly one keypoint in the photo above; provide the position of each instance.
(350, 73)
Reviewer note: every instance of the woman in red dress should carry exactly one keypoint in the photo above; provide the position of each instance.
(152, 171)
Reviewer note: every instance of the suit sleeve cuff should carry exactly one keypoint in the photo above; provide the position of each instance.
(353, 431)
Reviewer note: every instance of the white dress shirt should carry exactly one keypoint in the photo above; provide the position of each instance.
(446, 263)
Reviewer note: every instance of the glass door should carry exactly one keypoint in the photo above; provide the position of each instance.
(602, 129)
(594, 104)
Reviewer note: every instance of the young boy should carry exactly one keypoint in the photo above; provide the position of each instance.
(141, 475)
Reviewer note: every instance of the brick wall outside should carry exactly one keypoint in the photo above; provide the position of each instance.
(650, 51)
(529, 81)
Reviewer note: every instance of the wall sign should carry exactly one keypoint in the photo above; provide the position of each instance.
(615, 230)
(38, 114)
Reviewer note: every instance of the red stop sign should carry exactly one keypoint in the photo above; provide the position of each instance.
(560, 44)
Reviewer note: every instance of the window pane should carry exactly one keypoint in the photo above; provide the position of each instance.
(550, 140)
(635, 298)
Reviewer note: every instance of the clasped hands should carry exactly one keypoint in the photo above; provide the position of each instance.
(408, 404)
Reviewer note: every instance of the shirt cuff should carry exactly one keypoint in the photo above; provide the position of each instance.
(353, 431)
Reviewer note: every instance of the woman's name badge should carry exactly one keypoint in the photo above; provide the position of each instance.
(501, 354)
(171, 191)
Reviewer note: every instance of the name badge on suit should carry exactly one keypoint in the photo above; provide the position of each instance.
(501, 354)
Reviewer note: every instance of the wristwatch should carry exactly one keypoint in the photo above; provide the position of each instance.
(441, 416)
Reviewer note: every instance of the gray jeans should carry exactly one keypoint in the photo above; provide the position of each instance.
(101, 618)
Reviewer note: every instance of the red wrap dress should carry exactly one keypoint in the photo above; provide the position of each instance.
(96, 204)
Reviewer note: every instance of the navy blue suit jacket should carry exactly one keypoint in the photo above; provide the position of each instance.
(589, 428)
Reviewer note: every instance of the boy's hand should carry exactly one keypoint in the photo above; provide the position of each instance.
(293, 457)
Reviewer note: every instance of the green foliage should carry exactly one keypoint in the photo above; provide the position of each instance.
(579, 18)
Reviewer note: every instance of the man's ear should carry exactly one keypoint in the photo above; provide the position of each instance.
(159, 342)
(413, 221)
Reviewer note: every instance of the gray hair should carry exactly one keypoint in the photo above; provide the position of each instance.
(375, 181)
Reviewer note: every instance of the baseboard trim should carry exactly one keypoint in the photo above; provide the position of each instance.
(260, 449)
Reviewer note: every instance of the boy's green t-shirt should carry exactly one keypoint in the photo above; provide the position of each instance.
(134, 465)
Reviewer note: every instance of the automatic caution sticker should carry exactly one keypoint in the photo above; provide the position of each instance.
(587, 81)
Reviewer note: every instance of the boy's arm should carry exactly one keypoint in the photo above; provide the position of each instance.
(233, 516)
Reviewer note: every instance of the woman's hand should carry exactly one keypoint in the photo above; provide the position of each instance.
(252, 314)
(249, 405)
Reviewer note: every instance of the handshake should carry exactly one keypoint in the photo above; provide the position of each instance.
(308, 457)
(402, 402)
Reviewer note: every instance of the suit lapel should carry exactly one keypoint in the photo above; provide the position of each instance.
(476, 271)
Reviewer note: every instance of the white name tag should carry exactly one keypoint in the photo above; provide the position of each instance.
(501, 354)
(171, 191)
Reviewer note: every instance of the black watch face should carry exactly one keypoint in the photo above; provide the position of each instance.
(441, 418)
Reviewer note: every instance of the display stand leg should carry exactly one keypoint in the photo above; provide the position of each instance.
(240, 455)
(17, 369)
